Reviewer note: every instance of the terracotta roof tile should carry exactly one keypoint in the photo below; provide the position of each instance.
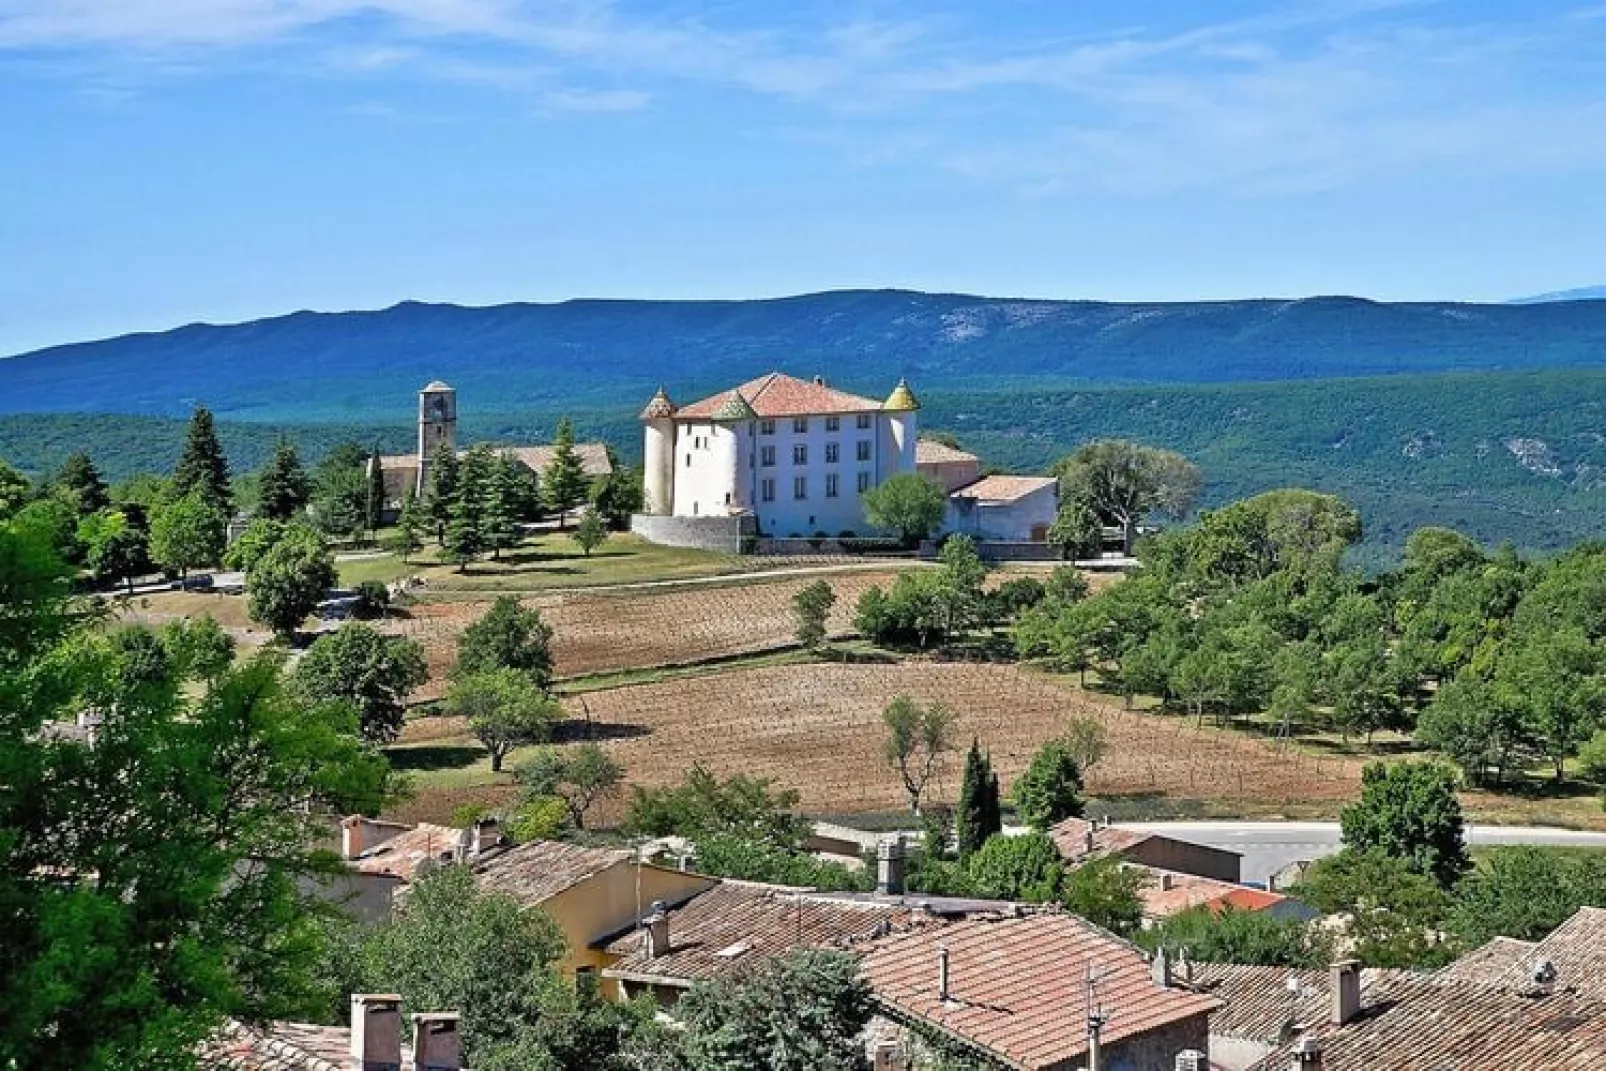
(779, 395)
(538, 870)
(1577, 951)
(1488, 963)
(1070, 837)
(1003, 488)
(736, 924)
(1258, 1002)
(1170, 892)
(402, 854)
(279, 1047)
(931, 452)
(1017, 986)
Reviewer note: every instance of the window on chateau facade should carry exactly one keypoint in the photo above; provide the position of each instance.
(800, 454)
(766, 427)
(830, 485)
(864, 450)
(833, 423)
(766, 456)
(688, 461)
(864, 421)
(832, 453)
(800, 424)
(864, 482)
(800, 487)
(766, 490)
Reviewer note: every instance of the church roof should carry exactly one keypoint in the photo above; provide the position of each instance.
(902, 399)
(780, 395)
(660, 406)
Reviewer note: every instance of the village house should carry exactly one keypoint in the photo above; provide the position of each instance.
(437, 430)
(373, 1041)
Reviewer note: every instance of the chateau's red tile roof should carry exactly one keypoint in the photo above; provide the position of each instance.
(779, 395)
(1018, 986)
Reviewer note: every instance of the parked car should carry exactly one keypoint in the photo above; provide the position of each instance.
(198, 582)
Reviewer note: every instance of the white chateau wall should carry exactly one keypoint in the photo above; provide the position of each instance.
(1011, 522)
(712, 461)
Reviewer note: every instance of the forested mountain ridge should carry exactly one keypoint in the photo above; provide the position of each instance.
(364, 366)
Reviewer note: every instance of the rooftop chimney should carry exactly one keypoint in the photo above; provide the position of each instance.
(358, 834)
(1165, 881)
(487, 835)
(819, 381)
(1087, 839)
(375, 1032)
(889, 1056)
(942, 973)
(1346, 987)
(437, 1044)
(658, 930)
(889, 867)
(1160, 968)
(1307, 1054)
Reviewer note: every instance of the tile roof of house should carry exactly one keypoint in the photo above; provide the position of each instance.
(1259, 1004)
(1017, 986)
(1070, 837)
(402, 854)
(780, 395)
(1426, 1022)
(738, 923)
(1488, 963)
(279, 1047)
(1003, 488)
(1170, 892)
(1577, 951)
(538, 870)
(931, 452)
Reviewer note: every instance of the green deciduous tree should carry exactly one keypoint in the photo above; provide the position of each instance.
(811, 611)
(15, 490)
(1395, 914)
(618, 495)
(1557, 679)
(1125, 482)
(284, 488)
(804, 1011)
(504, 710)
(1051, 788)
(1473, 726)
(114, 550)
(259, 536)
(704, 806)
(1027, 868)
(1252, 938)
(919, 740)
(1525, 892)
(564, 485)
(1409, 810)
(580, 778)
(590, 533)
(371, 672)
(197, 648)
(508, 636)
(1105, 893)
(909, 506)
(202, 468)
(1077, 530)
(287, 580)
(186, 534)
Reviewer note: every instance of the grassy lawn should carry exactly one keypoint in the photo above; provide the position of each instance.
(549, 560)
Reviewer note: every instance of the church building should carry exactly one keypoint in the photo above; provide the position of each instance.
(437, 428)
(794, 454)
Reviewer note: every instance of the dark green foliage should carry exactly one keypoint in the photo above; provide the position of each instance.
(502, 504)
(442, 492)
(340, 492)
(1255, 938)
(186, 534)
(1050, 789)
(909, 506)
(1027, 868)
(113, 548)
(1525, 892)
(1077, 529)
(978, 816)
(284, 488)
(1409, 810)
(1123, 482)
(365, 670)
(374, 501)
(202, 468)
(467, 531)
(703, 807)
(508, 636)
(410, 525)
(579, 777)
(79, 481)
(730, 856)
(1106, 893)
(811, 609)
(287, 579)
(801, 1012)
(618, 495)
(15, 490)
(373, 599)
(197, 648)
(564, 485)
(1396, 914)
(503, 709)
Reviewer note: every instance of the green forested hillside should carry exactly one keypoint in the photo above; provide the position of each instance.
(1500, 455)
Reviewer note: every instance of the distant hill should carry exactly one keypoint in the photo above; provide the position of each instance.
(1582, 293)
(365, 366)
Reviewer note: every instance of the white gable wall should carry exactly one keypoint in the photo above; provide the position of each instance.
(1012, 521)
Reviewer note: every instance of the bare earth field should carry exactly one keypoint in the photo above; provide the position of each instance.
(597, 632)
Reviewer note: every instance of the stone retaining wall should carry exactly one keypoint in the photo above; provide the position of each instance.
(731, 535)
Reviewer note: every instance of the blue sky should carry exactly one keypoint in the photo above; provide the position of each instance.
(165, 161)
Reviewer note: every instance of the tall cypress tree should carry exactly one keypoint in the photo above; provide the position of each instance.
(202, 466)
(970, 818)
(286, 488)
(376, 492)
(442, 491)
(410, 524)
(564, 484)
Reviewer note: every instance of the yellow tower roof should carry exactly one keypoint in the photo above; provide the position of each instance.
(902, 399)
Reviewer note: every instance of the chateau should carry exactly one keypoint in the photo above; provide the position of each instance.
(437, 428)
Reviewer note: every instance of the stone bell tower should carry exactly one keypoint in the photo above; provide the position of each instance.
(437, 426)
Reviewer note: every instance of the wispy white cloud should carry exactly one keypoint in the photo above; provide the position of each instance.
(596, 100)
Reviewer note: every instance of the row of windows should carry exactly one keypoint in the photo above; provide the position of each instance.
(800, 453)
(801, 424)
(800, 487)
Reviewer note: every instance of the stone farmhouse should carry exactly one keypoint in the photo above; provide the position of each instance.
(790, 458)
(437, 428)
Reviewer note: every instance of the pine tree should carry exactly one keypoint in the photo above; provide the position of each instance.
(564, 484)
(410, 524)
(970, 819)
(376, 492)
(502, 492)
(285, 489)
(465, 528)
(202, 466)
(442, 491)
(80, 483)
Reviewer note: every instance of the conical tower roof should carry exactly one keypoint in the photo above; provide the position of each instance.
(902, 399)
(435, 386)
(734, 407)
(660, 407)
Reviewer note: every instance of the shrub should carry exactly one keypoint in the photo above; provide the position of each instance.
(373, 599)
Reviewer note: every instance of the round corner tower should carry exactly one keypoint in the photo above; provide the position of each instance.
(902, 409)
(658, 469)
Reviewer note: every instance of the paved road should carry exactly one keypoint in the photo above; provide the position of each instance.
(1269, 846)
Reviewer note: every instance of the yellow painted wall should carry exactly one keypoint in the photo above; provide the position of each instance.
(609, 902)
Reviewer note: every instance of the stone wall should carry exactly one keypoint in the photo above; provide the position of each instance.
(731, 535)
